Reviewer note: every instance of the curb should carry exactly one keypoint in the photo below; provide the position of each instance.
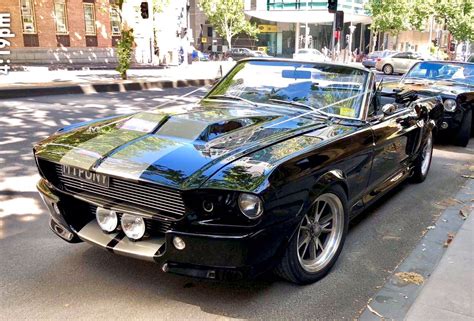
(394, 299)
(20, 92)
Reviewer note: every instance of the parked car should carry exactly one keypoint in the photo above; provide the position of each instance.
(261, 53)
(371, 58)
(454, 82)
(398, 63)
(309, 55)
(240, 53)
(264, 172)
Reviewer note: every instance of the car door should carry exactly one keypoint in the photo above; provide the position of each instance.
(401, 62)
(395, 139)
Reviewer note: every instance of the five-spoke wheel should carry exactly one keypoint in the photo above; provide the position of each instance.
(319, 238)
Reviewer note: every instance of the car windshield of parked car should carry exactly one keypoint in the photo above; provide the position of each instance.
(442, 71)
(332, 89)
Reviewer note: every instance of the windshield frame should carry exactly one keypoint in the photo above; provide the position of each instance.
(365, 92)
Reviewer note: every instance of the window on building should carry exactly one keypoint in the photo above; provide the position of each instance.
(89, 19)
(115, 21)
(209, 31)
(27, 16)
(60, 15)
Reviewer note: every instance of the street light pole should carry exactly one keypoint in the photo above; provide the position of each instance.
(306, 36)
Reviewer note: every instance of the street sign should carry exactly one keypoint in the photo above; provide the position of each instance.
(203, 40)
(267, 28)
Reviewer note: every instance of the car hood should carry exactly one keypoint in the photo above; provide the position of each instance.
(430, 88)
(180, 146)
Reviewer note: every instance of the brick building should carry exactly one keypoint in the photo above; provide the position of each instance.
(62, 31)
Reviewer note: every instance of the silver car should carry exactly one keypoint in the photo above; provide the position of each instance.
(398, 63)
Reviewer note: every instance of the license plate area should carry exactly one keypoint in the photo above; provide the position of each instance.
(86, 176)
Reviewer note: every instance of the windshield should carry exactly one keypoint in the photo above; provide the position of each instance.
(332, 89)
(447, 71)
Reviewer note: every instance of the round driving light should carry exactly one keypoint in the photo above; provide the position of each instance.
(133, 226)
(208, 206)
(179, 243)
(250, 205)
(107, 219)
(449, 105)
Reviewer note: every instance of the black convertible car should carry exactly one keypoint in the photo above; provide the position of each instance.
(454, 82)
(265, 172)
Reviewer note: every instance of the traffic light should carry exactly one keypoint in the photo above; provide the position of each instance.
(144, 10)
(339, 20)
(332, 6)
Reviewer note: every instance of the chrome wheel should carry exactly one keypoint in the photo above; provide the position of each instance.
(426, 155)
(320, 233)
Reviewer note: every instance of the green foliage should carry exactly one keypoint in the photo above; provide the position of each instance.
(459, 17)
(388, 15)
(124, 52)
(228, 18)
(398, 15)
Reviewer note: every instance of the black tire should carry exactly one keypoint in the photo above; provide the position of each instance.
(387, 69)
(464, 133)
(291, 268)
(420, 172)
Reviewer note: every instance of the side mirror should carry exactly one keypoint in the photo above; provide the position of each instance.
(389, 109)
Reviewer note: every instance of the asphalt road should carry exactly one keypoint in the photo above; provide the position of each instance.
(43, 277)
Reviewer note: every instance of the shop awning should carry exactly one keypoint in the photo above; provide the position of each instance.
(303, 16)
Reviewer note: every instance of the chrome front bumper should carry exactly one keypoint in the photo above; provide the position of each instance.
(147, 249)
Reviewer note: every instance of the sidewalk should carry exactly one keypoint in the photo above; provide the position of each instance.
(436, 281)
(449, 292)
(36, 81)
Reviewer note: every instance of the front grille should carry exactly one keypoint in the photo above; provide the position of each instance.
(168, 202)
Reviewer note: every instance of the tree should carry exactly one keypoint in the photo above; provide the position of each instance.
(127, 39)
(228, 18)
(458, 16)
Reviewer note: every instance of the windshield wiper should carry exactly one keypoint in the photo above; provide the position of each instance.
(293, 103)
(232, 97)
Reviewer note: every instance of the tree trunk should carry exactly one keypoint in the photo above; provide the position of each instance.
(229, 40)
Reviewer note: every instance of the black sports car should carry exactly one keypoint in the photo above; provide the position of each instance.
(265, 172)
(454, 82)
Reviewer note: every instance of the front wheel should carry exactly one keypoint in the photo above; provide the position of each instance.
(423, 161)
(319, 239)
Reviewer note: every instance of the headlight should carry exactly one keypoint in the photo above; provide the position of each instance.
(449, 105)
(250, 205)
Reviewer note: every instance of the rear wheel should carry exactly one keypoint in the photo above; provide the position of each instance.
(464, 132)
(318, 242)
(423, 161)
(387, 69)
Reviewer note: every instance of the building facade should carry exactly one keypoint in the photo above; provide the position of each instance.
(62, 31)
(85, 32)
(287, 25)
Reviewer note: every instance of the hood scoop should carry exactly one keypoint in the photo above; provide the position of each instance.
(198, 130)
